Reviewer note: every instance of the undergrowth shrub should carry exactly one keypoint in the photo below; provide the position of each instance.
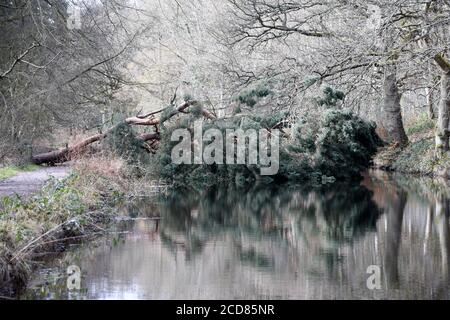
(63, 209)
(422, 124)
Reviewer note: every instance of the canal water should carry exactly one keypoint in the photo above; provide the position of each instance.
(385, 238)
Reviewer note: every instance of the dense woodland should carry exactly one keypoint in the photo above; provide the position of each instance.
(73, 73)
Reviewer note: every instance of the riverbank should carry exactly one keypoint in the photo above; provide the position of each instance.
(418, 157)
(76, 208)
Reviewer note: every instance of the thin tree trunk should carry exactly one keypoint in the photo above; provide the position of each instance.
(430, 97)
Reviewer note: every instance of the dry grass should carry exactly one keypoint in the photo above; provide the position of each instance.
(105, 165)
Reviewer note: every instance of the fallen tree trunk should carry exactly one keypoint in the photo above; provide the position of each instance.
(67, 154)
(63, 155)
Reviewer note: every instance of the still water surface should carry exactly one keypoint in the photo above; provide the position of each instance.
(269, 243)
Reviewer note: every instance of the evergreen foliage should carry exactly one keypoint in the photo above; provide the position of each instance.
(123, 142)
(336, 147)
(331, 97)
(251, 97)
(310, 81)
(343, 213)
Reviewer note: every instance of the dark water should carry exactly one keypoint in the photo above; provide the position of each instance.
(270, 243)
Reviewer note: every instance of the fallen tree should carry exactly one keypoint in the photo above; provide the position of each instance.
(319, 149)
(148, 139)
(335, 145)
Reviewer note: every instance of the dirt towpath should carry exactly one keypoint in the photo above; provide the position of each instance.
(28, 183)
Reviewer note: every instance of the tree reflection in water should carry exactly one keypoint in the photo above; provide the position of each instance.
(279, 242)
(323, 219)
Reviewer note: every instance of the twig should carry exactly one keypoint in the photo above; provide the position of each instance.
(37, 239)
(44, 235)
(19, 58)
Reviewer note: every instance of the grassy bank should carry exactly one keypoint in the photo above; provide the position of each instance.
(419, 157)
(73, 209)
(9, 172)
